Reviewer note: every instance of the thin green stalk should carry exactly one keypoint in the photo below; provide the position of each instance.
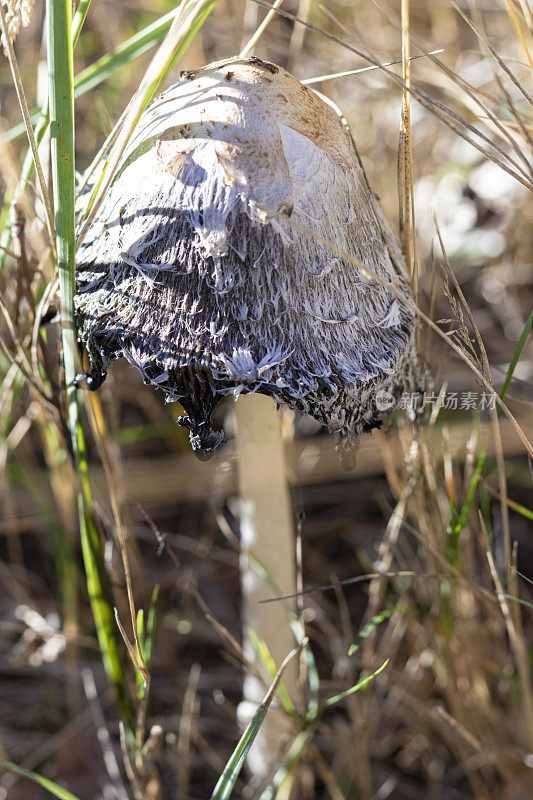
(368, 629)
(362, 683)
(517, 353)
(50, 786)
(62, 145)
(79, 19)
(228, 779)
(61, 96)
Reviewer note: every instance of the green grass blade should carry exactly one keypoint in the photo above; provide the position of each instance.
(520, 509)
(361, 684)
(61, 100)
(263, 652)
(139, 680)
(199, 15)
(62, 146)
(227, 780)
(519, 600)
(517, 354)
(102, 607)
(124, 54)
(104, 67)
(367, 630)
(79, 19)
(18, 130)
(47, 784)
(313, 683)
(150, 626)
(455, 529)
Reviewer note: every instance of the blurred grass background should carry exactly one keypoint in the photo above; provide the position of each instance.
(450, 716)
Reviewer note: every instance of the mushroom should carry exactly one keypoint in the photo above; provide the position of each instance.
(225, 259)
(216, 266)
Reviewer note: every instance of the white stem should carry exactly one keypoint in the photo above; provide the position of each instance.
(267, 534)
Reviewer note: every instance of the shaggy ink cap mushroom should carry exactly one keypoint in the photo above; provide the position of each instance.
(207, 268)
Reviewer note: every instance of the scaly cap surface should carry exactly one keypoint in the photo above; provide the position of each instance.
(207, 268)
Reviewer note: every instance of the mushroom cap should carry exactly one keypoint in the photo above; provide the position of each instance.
(215, 263)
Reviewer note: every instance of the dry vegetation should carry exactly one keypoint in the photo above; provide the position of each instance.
(425, 546)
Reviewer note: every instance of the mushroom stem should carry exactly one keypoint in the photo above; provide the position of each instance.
(267, 535)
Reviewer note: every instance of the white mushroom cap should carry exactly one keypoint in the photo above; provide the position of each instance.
(207, 265)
